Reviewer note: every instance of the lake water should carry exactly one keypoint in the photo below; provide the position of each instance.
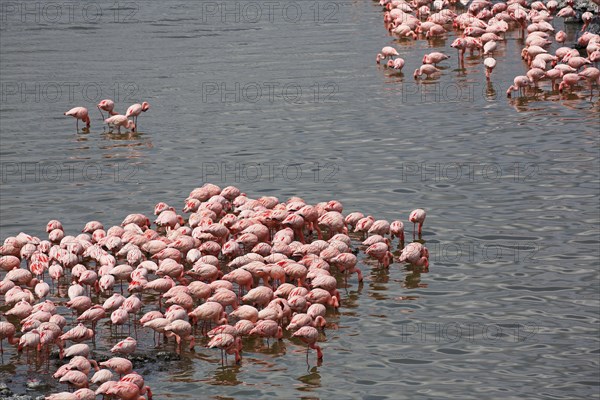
(284, 98)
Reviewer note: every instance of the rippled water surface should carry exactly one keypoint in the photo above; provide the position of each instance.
(290, 102)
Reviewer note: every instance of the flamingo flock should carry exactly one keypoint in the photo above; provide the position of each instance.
(482, 26)
(115, 120)
(234, 270)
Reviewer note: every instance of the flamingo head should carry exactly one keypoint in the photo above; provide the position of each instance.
(377, 59)
(131, 125)
(145, 106)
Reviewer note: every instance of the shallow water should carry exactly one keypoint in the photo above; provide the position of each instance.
(293, 104)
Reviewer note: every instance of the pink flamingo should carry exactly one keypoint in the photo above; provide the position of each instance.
(80, 349)
(259, 296)
(136, 109)
(586, 17)
(119, 121)
(379, 227)
(397, 63)
(380, 252)
(137, 379)
(157, 325)
(267, 329)
(125, 346)
(591, 74)
(228, 344)
(434, 58)
(181, 330)
(121, 366)
(520, 82)
(79, 113)
(490, 64)
(569, 80)
(101, 376)
(78, 334)
(309, 335)
(417, 216)
(415, 253)
(346, 262)
(535, 75)
(387, 51)
(124, 391)
(75, 378)
(567, 12)
(426, 69)
(108, 106)
(7, 331)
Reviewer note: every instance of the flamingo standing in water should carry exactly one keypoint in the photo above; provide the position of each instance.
(228, 344)
(136, 109)
(425, 69)
(387, 51)
(520, 82)
(592, 75)
(309, 335)
(569, 80)
(434, 58)
(7, 331)
(490, 64)
(120, 121)
(108, 106)
(397, 63)
(79, 113)
(417, 216)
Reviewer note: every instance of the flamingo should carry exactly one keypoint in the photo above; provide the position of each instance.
(136, 109)
(426, 69)
(489, 47)
(121, 366)
(520, 82)
(108, 106)
(79, 113)
(569, 80)
(592, 75)
(7, 331)
(490, 64)
(119, 121)
(387, 51)
(228, 344)
(397, 63)
(309, 335)
(125, 346)
(417, 216)
(535, 75)
(435, 58)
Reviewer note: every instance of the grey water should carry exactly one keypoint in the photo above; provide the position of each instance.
(285, 99)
